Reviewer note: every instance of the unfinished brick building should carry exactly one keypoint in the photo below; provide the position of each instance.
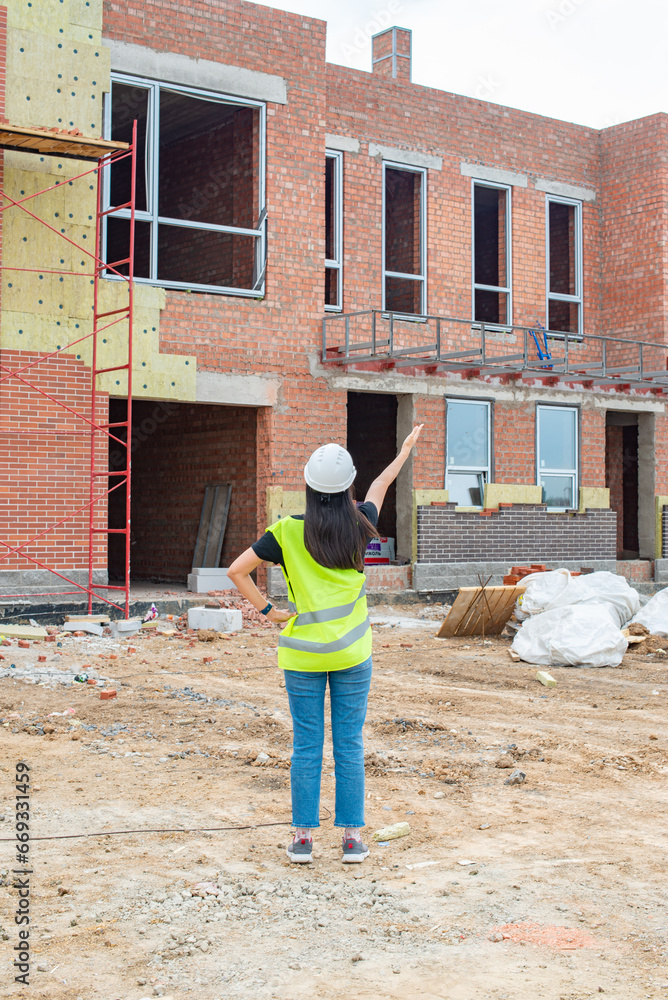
(323, 253)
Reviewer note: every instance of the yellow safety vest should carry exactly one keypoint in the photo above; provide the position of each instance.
(331, 630)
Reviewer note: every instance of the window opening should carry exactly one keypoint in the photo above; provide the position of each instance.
(467, 451)
(564, 265)
(404, 242)
(200, 218)
(557, 455)
(491, 254)
(333, 231)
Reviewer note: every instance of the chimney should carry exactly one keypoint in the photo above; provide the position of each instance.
(391, 53)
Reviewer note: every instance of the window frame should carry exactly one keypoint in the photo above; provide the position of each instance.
(422, 277)
(487, 471)
(573, 472)
(336, 263)
(152, 166)
(578, 252)
(508, 188)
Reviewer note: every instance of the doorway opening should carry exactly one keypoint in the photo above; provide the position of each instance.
(621, 477)
(372, 442)
(177, 450)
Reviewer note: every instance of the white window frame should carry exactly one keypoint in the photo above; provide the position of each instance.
(336, 263)
(151, 215)
(508, 289)
(560, 296)
(483, 471)
(574, 472)
(422, 277)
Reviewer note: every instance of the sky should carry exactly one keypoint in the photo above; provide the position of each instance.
(593, 62)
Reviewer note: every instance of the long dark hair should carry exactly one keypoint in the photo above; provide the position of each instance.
(336, 532)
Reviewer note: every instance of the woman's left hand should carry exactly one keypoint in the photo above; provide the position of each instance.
(279, 617)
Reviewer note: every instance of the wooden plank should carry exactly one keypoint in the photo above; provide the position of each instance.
(212, 524)
(480, 611)
(54, 142)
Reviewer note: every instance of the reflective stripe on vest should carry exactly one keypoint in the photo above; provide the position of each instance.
(326, 615)
(287, 642)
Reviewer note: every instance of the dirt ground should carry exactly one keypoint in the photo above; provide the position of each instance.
(554, 888)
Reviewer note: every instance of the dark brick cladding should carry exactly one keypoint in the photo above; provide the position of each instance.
(664, 533)
(520, 534)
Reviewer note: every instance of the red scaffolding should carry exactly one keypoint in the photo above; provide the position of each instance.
(103, 481)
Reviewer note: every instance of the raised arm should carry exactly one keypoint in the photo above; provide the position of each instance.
(379, 487)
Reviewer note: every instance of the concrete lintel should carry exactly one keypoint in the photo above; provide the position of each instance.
(237, 390)
(433, 385)
(172, 67)
(494, 174)
(342, 142)
(440, 577)
(409, 157)
(565, 190)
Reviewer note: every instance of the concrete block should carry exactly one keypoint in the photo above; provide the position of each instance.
(122, 629)
(201, 580)
(661, 571)
(219, 619)
(276, 585)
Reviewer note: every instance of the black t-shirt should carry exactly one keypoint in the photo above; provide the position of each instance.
(268, 549)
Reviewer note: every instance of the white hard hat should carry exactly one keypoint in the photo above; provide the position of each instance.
(330, 469)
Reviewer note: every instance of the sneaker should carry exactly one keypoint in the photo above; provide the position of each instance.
(301, 851)
(354, 851)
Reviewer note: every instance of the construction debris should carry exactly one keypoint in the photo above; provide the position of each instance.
(480, 611)
(547, 680)
(393, 832)
(516, 778)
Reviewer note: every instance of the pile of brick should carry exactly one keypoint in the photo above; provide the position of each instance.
(518, 573)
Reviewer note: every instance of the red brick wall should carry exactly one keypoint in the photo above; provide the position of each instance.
(45, 461)
(514, 442)
(195, 446)
(592, 447)
(634, 215)
(459, 128)
(429, 455)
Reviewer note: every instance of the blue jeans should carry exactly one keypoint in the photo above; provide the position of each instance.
(348, 692)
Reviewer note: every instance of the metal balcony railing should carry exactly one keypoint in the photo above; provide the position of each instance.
(376, 338)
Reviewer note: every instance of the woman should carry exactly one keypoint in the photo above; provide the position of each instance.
(327, 639)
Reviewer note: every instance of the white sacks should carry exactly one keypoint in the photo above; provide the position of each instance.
(572, 637)
(558, 589)
(654, 615)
